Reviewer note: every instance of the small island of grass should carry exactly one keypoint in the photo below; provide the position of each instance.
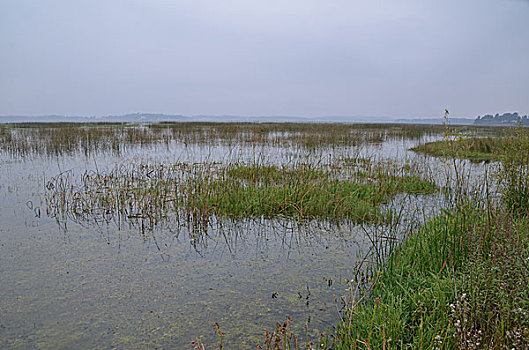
(474, 149)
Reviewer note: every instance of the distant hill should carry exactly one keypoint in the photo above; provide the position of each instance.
(126, 118)
(157, 117)
(506, 119)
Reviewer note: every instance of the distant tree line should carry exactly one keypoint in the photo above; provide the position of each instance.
(513, 119)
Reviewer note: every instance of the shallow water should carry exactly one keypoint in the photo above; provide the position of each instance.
(69, 284)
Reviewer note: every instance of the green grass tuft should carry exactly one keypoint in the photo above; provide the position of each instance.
(475, 149)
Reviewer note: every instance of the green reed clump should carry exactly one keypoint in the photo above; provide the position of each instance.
(307, 192)
(198, 192)
(334, 199)
(408, 184)
(475, 149)
(513, 176)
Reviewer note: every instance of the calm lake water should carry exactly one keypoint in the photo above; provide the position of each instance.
(89, 284)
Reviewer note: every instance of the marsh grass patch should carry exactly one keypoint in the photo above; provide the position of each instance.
(196, 192)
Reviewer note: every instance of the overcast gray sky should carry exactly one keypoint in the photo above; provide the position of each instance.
(275, 57)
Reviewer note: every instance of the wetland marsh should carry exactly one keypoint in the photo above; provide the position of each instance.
(134, 236)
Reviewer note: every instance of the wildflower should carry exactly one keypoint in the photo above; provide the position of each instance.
(452, 308)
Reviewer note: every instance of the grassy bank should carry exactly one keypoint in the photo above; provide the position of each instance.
(460, 282)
